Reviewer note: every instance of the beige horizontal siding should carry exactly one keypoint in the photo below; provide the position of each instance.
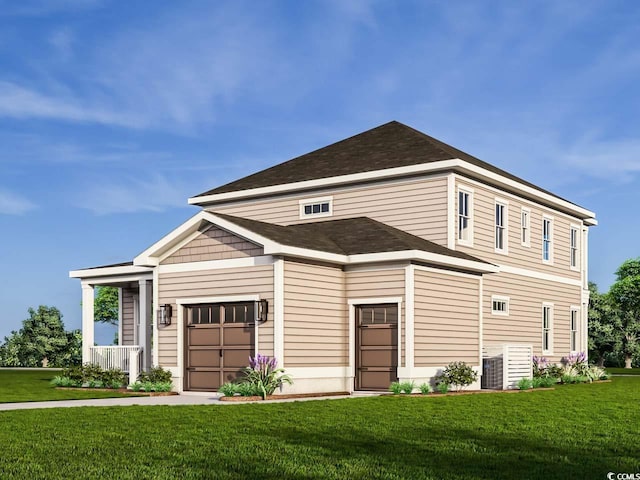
(518, 255)
(446, 319)
(214, 283)
(524, 322)
(128, 319)
(316, 330)
(416, 206)
(378, 284)
(214, 244)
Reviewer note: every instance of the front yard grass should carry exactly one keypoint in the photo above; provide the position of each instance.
(34, 386)
(623, 371)
(575, 431)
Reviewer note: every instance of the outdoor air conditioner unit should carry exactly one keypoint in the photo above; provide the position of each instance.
(492, 374)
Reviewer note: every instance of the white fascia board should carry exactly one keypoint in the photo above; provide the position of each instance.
(151, 255)
(427, 257)
(455, 164)
(109, 271)
(324, 182)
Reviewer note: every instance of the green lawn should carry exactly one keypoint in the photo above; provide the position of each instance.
(34, 386)
(623, 371)
(575, 431)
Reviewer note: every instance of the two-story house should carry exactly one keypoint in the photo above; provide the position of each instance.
(384, 256)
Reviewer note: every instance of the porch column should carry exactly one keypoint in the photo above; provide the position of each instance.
(88, 323)
(120, 315)
(146, 317)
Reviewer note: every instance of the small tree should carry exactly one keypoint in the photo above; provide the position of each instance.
(602, 318)
(105, 306)
(42, 337)
(625, 294)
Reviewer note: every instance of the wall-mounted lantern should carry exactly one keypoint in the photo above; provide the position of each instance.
(262, 310)
(164, 315)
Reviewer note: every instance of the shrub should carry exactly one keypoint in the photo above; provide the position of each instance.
(156, 375)
(112, 378)
(136, 386)
(524, 384)
(425, 389)
(443, 387)
(61, 381)
(395, 388)
(536, 382)
(547, 382)
(248, 390)
(457, 374)
(263, 375)
(228, 389)
(163, 386)
(567, 379)
(408, 387)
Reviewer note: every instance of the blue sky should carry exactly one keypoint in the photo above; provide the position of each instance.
(113, 113)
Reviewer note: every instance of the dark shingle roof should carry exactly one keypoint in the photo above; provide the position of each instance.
(349, 236)
(387, 146)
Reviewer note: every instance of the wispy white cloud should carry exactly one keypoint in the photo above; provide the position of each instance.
(155, 193)
(62, 40)
(14, 204)
(20, 102)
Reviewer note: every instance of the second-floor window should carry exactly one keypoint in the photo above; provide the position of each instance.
(464, 217)
(573, 252)
(547, 239)
(525, 227)
(501, 227)
(316, 207)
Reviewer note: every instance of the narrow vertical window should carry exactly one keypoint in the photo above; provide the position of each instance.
(465, 227)
(525, 229)
(573, 330)
(501, 227)
(547, 239)
(573, 240)
(547, 332)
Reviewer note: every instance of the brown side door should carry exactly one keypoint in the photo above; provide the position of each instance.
(219, 340)
(376, 346)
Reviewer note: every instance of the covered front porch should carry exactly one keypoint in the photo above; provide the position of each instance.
(133, 353)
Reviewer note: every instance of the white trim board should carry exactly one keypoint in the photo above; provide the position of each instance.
(108, 271)
(216, 264)
(539, 275)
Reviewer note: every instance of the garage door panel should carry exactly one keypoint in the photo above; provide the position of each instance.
(377, 380)
(237, 358)
(379, 358)
(234, 335)
(378, 336)
(204, 358)
(203, 336)
(204, 380)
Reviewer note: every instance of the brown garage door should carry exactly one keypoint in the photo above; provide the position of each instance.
(377, 346)
(219, 340)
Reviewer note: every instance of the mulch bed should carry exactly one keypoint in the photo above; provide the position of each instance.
(120, 390)
(238, 398)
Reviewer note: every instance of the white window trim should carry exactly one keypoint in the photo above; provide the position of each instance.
(469, 191)
(546, 217)
(576, 309)
(310, 201)
(505, 204)
(500, 298)
(526, 242)
(548, 351)
(578, 230)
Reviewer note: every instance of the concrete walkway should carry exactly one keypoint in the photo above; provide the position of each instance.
(184, 399)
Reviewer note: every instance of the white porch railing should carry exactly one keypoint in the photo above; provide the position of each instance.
(127, 358)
